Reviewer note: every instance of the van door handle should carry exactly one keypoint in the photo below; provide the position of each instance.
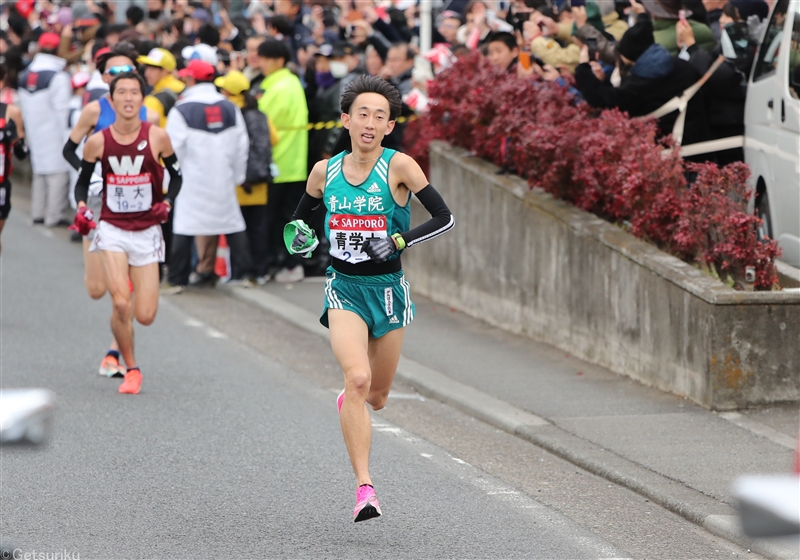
(770, 104)
(783, 110)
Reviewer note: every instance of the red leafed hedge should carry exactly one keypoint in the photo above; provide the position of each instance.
(605, 163)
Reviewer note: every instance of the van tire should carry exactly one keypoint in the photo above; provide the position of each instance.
(762, 210)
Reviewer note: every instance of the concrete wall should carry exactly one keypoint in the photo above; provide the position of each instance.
(526, 262)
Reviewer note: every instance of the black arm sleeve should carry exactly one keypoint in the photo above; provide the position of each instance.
(175, 178)
(70, 153)
(84, 178)
(306, 207)
(441, 221)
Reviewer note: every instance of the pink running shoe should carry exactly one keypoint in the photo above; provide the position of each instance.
(367, 505)
(340, 400)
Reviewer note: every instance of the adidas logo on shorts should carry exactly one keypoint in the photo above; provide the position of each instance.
(374, 188)
(394, 320)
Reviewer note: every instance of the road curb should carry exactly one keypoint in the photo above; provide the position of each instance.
(714, 516)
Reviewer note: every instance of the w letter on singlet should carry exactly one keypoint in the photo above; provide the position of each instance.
(127, 166)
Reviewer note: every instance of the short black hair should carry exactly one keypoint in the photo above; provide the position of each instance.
(282, 24)
(272, 48)
(123, 48)
(127, 76)
(372, 84)
(410, 54)
(208, 35)
(135, 15)
(504, 37)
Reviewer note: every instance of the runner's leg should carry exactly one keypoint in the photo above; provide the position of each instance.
(115, 266)
(349, 341)
(2, 224)
(384, 355)
(93, 274)
(145, 286)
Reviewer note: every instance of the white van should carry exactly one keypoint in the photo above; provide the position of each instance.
(772, 129)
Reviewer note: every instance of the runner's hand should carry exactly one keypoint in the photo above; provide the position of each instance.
(160, 212)
(379, 249)
(84, 220)
(299, 238)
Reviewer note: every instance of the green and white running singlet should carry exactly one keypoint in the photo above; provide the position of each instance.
(356, 213)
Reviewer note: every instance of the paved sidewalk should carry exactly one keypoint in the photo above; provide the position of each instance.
(668, 449)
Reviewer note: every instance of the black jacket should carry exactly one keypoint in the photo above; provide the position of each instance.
(259, 157)
(656, 78)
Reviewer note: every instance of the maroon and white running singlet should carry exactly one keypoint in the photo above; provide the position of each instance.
(132, 181)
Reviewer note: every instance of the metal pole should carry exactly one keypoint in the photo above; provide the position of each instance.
(425, 26)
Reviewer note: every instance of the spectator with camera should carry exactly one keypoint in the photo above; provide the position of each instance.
(650, 77)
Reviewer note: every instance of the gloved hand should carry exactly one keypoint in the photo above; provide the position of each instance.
(160, 211)
(379, 249)
(84, 220)
(21, 150)
(299, 238)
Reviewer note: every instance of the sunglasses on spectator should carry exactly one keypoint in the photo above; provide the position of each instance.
(117, 70)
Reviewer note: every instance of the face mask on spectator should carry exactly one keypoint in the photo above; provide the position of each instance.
(325, 79)
(338, 68)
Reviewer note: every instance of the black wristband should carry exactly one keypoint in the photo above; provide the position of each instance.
(70, 153)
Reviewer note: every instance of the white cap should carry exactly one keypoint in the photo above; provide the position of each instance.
(201, 51)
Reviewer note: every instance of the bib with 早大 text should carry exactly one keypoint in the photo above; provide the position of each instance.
(356, 213)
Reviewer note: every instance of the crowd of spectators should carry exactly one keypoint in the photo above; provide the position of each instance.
(284, 64)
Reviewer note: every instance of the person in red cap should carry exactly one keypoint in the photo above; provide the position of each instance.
(210, 137)
(96, 116)
(44, 95)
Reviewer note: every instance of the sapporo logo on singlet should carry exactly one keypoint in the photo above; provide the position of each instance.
(348, 234)
(128, 189)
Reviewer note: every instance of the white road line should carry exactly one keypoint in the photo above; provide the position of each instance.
(759, 429)
(407, 396)
(193, 323)
(214, 333)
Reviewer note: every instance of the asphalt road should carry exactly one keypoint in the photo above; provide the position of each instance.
(233, 447)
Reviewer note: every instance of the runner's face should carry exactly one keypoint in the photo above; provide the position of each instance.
(368, 121)
(127, 99)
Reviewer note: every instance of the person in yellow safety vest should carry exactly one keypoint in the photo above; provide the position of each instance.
(159, 67)
(253, 193)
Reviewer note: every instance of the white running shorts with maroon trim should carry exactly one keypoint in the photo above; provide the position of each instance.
(142, 247)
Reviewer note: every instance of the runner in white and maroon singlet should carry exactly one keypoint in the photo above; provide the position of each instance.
(128, 236)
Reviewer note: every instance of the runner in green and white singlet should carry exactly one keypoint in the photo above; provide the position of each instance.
(366, 194)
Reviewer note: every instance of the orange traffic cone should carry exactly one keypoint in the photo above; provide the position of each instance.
(222, 267)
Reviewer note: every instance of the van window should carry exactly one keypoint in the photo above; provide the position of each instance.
(768, 54)
(794, 59)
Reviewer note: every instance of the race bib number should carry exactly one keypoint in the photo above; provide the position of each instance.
(348, 234)
(129, 193)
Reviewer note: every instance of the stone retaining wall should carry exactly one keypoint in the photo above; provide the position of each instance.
(531, 264)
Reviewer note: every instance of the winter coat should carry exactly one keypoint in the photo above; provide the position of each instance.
(666, 35)
(656, 78)
(44, 95)
(552, 53)
(209, 136)
(259, 156)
